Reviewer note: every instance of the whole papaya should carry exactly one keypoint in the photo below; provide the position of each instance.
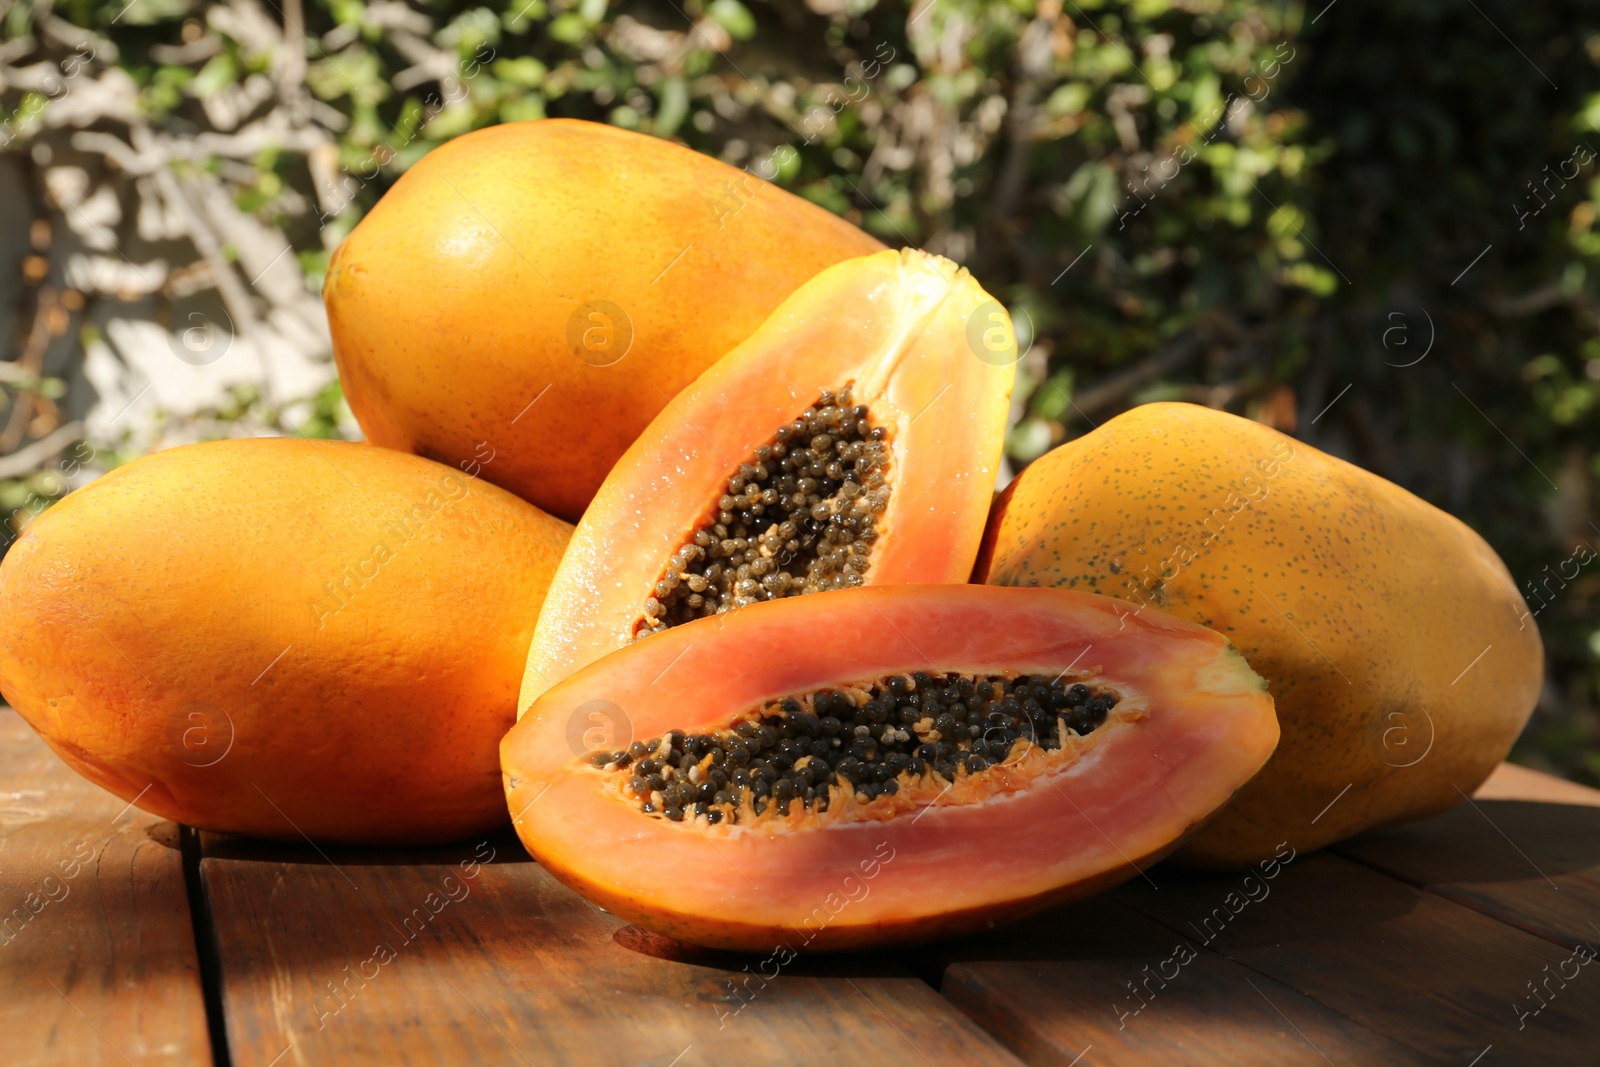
(542, 289)
(281, 637)
(1402, 659)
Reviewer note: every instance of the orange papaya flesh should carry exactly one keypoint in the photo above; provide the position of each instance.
(264, 637)
(942, 848)
(527, 297)
(1401, 657)
(852, 440)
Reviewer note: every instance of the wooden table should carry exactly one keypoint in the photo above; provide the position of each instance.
(129, 940)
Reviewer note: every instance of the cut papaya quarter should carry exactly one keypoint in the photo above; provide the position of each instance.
(883, 765)
(852, 440)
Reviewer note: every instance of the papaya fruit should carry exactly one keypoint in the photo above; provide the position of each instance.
(1400, 655)
(882, 765)
(539, 290)
(280, 637)
(853, 439)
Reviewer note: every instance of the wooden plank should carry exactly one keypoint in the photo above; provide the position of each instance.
(97, 955)
(1058, 986)
(1097, 980)
(1530, 858)
(1511, 782)
(1442, 979)
(438, 958)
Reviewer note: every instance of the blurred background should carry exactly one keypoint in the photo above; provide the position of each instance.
(1370, 226)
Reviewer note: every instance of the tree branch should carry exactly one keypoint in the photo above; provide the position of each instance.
(25, 461)
(1164, 360)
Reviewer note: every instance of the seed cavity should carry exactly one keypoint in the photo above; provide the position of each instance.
(852, 745)
(799, 515)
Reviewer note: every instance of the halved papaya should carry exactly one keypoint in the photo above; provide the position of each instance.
(882, 765)
(852, 440)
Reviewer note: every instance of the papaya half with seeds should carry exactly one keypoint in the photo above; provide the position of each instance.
(882, 765)
(854, 439)
(1401, 657)
(537, 291)
(281, 638)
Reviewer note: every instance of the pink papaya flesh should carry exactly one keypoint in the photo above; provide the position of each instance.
(882, 765)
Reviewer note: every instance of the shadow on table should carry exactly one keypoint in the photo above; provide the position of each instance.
(1353, 886)
(498, 846)
(1488, 841)
(878, 964)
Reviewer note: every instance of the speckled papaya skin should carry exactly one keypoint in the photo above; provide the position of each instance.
(537, 292)
(285, 638)
(1401, 657)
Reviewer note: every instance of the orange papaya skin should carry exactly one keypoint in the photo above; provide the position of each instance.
(539, 290)
(281, 637)
(1400, 655)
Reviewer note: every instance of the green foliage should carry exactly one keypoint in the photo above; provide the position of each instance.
(328, 413)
